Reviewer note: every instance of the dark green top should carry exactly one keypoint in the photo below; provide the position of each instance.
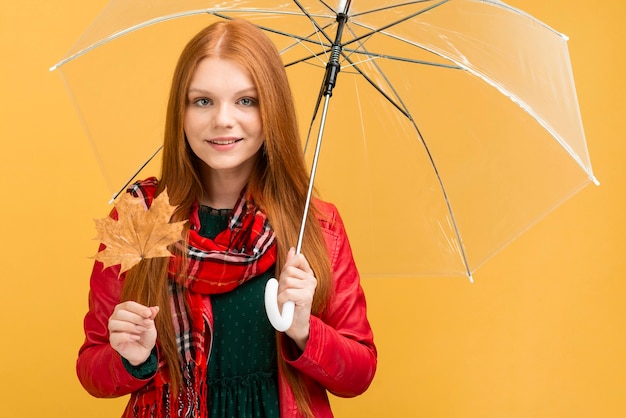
(242, 370)
(243, 378)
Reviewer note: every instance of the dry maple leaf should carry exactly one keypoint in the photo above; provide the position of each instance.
(138, 233)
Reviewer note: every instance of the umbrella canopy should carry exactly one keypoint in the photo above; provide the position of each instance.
(453, 127)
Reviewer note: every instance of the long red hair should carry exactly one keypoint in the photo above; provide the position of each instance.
(278, 184)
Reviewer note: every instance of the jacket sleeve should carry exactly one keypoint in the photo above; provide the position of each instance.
(340, 353)
(99, 367)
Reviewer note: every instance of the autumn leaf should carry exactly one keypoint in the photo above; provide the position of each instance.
(138, 233)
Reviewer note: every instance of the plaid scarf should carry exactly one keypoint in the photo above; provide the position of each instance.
(242, 251)
(245, 249)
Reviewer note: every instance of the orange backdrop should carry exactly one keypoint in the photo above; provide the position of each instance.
(540, 333)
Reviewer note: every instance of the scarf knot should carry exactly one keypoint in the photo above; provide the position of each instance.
(245, 249)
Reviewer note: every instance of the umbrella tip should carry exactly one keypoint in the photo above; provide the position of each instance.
(342, 6)
(595, 180)
(471, 278)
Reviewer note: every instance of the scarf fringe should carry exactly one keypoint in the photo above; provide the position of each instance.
(191, 401)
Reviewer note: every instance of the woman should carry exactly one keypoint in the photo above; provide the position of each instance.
(187, 336)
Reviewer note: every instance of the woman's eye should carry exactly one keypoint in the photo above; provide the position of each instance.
(247, 101)
(202, 102)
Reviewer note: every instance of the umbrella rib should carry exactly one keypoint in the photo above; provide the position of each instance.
(325, 5)
(468, 271)
(308, 38)
(411, 43)
(216, 12)
(399, 105)
(307, 58)
(506, 92)
(393, 6)
(405, 111)
(310, 17)
(395, 23)
(408, 115)
(285, 34)
(299, 40)
(121, 189)
(374, 55)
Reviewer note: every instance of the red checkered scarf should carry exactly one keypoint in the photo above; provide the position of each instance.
(245, 249)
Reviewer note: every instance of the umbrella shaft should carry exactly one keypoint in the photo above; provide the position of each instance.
(332, 70)
(318, 147)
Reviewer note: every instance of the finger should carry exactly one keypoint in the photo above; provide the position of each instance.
(131, 317)
(296, 286)
(299, 288)
(299, 261)
(136, 308)
(117, 339)
(116, 325)
(297, 268)
(294, 272)
(155, 311)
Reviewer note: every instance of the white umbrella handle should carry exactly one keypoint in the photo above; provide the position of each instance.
(279, 322)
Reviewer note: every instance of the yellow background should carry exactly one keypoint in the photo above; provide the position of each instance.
(540, 334)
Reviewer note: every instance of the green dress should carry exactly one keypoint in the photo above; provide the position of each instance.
(242, 375)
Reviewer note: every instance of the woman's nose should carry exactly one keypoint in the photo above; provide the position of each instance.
(224, 116)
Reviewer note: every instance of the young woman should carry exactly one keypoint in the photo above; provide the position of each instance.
(188, 336)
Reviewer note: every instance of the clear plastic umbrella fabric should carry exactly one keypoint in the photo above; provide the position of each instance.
(454, 125)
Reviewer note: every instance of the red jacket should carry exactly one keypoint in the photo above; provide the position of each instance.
(339, 357)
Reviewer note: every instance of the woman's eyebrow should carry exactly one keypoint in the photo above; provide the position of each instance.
(244, 91)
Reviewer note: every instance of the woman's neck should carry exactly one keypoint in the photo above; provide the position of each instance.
(222, 191)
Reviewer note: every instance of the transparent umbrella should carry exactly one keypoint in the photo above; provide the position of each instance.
(453, 126)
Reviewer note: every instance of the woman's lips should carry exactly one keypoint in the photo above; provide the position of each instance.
(224, 141)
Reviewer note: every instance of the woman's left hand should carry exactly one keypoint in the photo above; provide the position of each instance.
(297, 284)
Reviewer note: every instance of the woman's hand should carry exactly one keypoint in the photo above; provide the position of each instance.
(132, 332)
(297, 284)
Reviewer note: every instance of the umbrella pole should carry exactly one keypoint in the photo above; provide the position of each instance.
(309, 194)
(330, 79)
(282, 321)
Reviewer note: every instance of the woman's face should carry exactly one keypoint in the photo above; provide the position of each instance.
(222, 119)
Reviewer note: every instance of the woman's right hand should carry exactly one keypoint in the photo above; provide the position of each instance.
(132, 332)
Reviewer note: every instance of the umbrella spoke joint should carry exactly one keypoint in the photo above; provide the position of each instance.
(333, 66)
(332, 70)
